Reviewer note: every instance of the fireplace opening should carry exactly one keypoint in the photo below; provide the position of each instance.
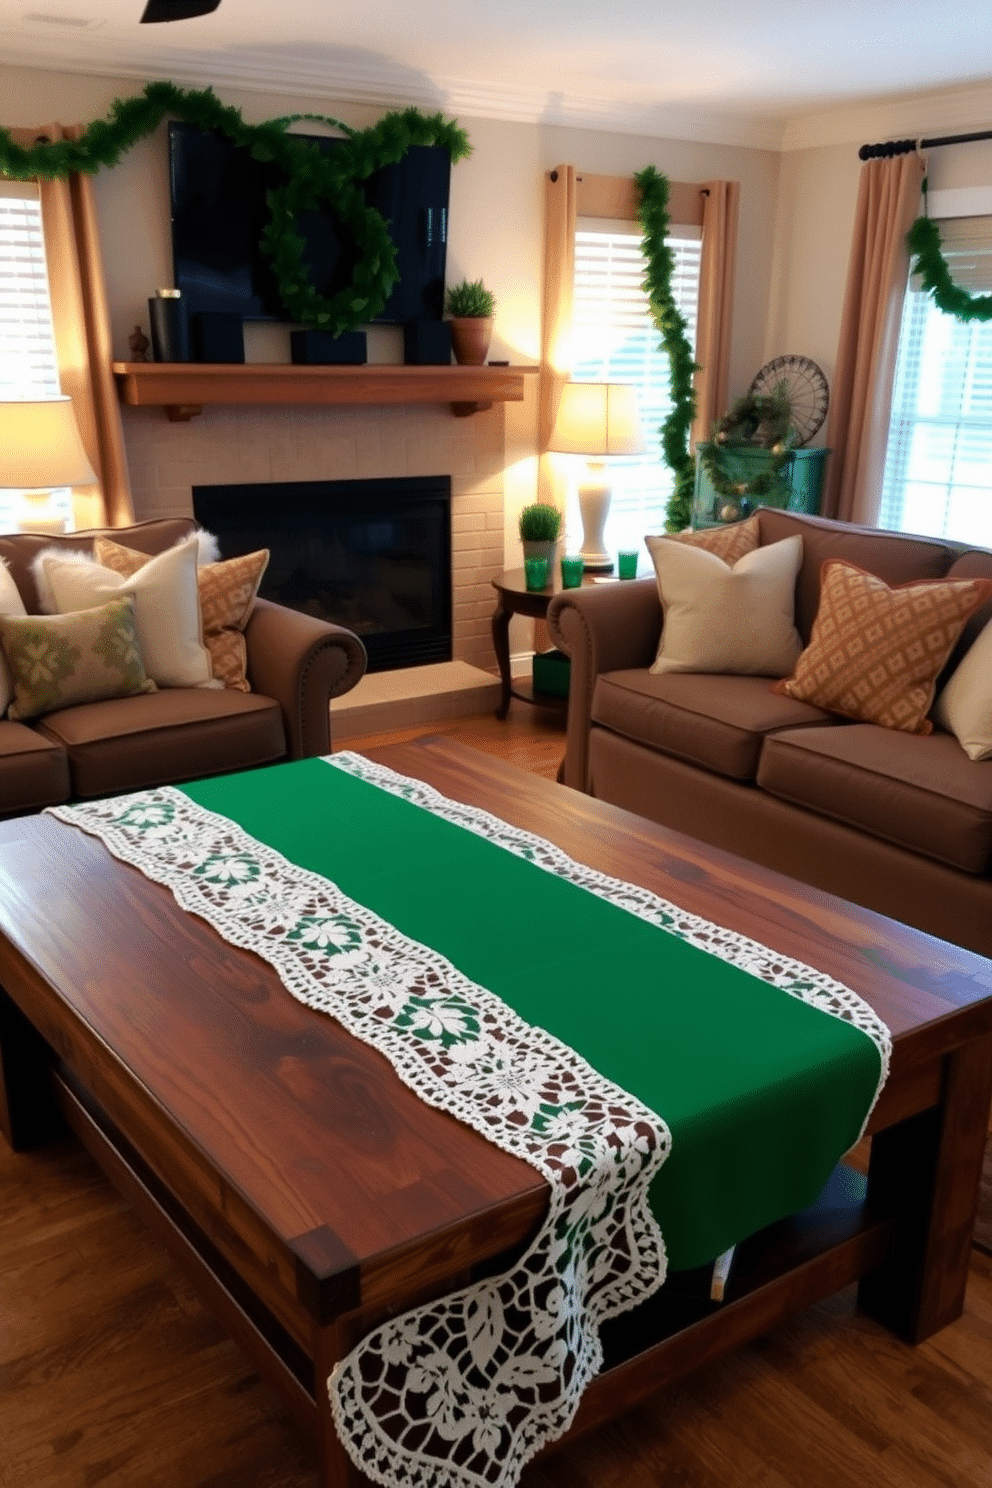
(372, 555)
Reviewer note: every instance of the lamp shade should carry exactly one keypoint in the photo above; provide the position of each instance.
(40, 446)
(597, 419)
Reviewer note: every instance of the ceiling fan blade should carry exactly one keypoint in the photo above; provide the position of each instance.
(177, 10)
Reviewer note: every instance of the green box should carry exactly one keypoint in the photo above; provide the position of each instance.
(551, 673)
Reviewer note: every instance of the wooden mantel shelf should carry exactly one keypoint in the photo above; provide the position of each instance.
(182, 388)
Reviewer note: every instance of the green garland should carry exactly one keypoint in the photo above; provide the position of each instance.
(923, 241)
(653, 214)
(738, 428)
(311, 178)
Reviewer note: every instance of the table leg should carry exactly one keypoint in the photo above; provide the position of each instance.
(331, 1344)
(28, 1113)
(926, 1170)
(501, 645)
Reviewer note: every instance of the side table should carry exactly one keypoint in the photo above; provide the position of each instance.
(516, 599)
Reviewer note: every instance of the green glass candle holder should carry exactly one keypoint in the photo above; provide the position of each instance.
(572, 570)
(627, 563)
(536, 572)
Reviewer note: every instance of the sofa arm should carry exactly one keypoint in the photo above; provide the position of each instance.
(302, 662)
(601, 629)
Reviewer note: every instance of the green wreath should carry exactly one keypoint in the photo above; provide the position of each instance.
(312, 178)
(923, 241)
(653, 215)
(757, 420)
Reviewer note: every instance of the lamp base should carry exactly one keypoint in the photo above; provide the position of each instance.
(596, 563)
(594, 506)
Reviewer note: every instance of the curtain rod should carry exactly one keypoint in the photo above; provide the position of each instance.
(905, 147)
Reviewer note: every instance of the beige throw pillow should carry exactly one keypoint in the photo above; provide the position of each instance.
(964, 706)
(227, 597)
(57, 661)
(11, 603)
(875, 653)
(720, 618)
(166, 606)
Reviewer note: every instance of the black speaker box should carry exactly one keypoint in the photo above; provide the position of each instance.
(218, 336)
(170, 328)
(321, 349)
(427, 343)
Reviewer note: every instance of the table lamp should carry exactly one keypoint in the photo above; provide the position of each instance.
(598, 420)
(40, 450)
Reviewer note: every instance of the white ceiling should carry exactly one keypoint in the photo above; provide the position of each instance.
(712, 69)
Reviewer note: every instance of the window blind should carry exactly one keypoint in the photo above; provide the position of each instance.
(616, 340)
(938, 469)
(28, 362)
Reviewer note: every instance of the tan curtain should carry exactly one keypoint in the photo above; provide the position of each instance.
(82, 335)
(721, 200)
(861, 397)
(556, 323)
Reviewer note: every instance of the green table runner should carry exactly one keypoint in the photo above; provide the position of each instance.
(762, 1092)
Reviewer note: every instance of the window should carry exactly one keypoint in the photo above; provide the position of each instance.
(28, 361)
(616, 340)
(938, 468)
(28, 364)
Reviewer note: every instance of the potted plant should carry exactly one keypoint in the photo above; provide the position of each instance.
(540, 528)
(469, 306)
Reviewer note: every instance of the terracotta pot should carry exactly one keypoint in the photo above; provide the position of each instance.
(470, 338)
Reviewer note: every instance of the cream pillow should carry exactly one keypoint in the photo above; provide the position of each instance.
(720, 618)
(166, 606)
(11, 603)
(964, 707)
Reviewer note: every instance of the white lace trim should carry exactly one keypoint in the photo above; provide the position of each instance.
(463, 1391)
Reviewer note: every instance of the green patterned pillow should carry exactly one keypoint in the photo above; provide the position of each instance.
(82, 657)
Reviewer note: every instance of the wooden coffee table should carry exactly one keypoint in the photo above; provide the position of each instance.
(309, 1194)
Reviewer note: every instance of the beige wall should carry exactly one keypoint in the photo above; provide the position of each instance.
(496, 224)
(797, 208)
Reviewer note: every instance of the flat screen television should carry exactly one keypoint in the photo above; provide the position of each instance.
(218, 212)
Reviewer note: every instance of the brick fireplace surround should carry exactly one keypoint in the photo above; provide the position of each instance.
(249, 444)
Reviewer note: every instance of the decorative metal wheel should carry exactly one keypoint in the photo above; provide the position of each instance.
(805, 388)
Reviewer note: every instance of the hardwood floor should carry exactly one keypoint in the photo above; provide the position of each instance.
(531, 738)
(112, 1373)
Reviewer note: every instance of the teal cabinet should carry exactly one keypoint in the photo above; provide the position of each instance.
(798, 487)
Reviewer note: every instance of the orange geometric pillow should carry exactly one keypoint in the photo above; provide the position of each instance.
(730, 543)
(227, 594)
(875, 653)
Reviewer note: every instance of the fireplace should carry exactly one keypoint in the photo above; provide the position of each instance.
(373, 555)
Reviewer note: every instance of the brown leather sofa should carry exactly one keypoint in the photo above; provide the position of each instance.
(296, 664)
(895, 822)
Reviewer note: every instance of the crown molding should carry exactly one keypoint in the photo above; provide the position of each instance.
(910, 116)
(319, 78)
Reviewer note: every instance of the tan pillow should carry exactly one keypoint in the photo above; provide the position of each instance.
(875, 653)
(964, 705)
(166, 606)
(11, 603)
(720, 618)
(57, 661)
(227, 596)
(729, 542)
